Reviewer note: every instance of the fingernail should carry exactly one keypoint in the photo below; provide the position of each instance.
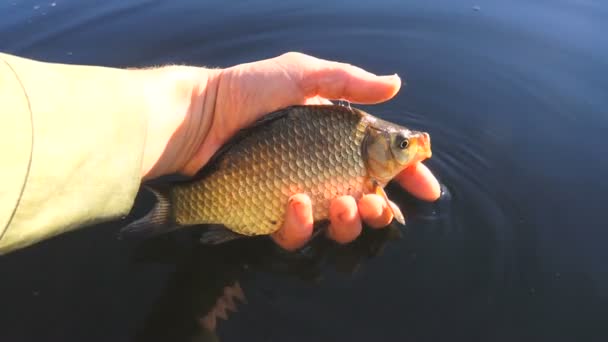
(392, 78)
(295, 204)
(342, 216)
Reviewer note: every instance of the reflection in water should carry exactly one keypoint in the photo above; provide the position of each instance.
(205, 287)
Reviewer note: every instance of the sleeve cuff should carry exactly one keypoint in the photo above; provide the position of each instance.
(15, 144)
(85, 164)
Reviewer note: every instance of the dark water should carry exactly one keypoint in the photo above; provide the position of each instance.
(514, 94)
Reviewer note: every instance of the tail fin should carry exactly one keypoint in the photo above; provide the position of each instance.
(158, 221)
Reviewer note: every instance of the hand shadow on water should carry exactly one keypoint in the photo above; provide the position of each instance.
(204, 286)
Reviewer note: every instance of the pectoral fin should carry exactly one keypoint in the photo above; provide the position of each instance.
(218, 234)
(397, 214)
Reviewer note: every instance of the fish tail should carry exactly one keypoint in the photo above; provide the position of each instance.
(159, 220)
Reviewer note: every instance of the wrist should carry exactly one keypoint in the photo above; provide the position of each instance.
(180, 104)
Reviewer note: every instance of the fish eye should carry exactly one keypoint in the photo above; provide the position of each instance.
(404, 143)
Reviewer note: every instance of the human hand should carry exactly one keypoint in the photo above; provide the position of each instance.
(233, 98)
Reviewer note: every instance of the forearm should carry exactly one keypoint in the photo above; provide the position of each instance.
(92, 142)
(180, 114)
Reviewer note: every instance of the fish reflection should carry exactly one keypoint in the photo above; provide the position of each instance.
(204, 289)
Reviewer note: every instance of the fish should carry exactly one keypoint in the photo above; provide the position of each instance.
(324, 151)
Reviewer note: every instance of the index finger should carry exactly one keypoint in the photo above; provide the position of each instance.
(298, 225)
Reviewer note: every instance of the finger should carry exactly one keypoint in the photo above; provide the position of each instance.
(420, 182)
(297, 229)
(338, 81)
(345, 223)
(374, 211)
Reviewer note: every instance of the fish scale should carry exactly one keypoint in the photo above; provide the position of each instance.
(311, 151)
(323, 151)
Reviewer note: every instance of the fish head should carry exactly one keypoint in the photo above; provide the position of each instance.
(389, 149)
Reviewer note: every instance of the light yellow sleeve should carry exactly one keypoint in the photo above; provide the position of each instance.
(66, 161)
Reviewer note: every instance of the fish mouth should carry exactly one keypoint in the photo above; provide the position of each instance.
(424, 146)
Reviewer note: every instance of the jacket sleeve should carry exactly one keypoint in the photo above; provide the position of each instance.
(62, 166)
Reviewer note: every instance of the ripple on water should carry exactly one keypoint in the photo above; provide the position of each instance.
(476, 211)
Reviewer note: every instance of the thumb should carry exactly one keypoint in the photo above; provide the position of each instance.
(341, 81)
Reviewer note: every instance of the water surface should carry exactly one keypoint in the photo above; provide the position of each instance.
(513, 94)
